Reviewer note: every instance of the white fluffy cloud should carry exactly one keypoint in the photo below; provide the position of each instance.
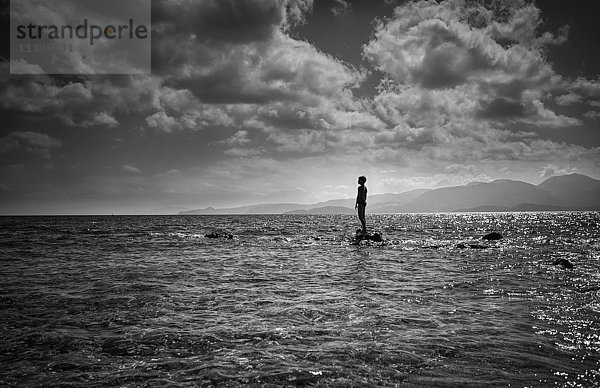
(458, 59)
(551, 170)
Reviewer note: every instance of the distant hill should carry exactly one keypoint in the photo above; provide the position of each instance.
(375, 199)
(325, 210)
(574, 190)
(276, 208)
(569, 192)
(380, 203)
(502, 193)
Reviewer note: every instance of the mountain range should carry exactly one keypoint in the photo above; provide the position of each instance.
(567, 192)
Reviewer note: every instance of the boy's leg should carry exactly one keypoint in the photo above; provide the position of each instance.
(361, 217)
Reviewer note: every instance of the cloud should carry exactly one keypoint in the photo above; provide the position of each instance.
(579, 90)
(282, 69)
(341, 7)
(199, 32)
(586, 87)
(568, 99)
(226, 21)
(132, 169)
(239, 138)
(180, 110)
(551, 170)
(592, 114)
(260, 80)
(463, 47)
(242, 152)
(29, 141)
(461, 169)
(430, 181)
(207, 56)
(82, 103)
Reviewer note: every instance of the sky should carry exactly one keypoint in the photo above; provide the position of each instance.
(268, 101)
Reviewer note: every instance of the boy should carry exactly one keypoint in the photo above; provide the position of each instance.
(361, 203)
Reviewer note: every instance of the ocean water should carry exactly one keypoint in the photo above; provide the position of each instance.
(288, 300)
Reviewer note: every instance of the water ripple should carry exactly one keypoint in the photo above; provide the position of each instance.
(288, 300)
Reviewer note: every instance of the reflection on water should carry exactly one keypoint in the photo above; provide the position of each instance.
(288, 300)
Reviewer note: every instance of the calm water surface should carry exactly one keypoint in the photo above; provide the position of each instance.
(288, 300)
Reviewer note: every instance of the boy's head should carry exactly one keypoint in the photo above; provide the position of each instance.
(362, 179)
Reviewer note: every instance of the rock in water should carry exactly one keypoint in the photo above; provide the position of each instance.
(472, 246)
(219, 235)
(492, 236)
(563, 263)
(477, 246)
(376, 237)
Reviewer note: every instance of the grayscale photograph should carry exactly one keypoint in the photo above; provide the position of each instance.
(315, 193)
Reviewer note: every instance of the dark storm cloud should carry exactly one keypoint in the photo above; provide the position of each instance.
(214, 23)
(185, 31)
(208, 36)
(79, 102)
(237, 21)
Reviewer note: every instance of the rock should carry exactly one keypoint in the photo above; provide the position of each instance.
(477, 246)
(563, 263)
(376, 237)
(219, 235)
(492, 236)
(472, 246)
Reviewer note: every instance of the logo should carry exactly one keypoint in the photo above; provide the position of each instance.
(80, 37)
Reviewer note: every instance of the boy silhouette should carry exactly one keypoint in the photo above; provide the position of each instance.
(361, 202)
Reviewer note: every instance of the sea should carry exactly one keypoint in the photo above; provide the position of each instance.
(293, 300)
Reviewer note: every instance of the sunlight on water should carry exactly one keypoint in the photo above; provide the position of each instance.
(289, 300)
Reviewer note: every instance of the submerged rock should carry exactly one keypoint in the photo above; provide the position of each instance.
(477, 246)
(376, 236)
(492, 236)
(219, 235)
(472, 246)
(563, 263)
